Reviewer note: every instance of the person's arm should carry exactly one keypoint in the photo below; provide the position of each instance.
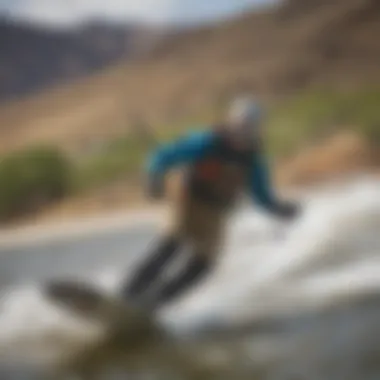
(262, 191)
(179, 152)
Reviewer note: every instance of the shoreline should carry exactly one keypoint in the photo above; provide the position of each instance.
(78, 225)
(74, 227)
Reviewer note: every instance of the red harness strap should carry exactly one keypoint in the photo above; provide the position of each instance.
(209, 169)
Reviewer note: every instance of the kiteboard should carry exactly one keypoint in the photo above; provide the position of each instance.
(94, 304)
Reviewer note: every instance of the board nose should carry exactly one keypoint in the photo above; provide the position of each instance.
(77, 295)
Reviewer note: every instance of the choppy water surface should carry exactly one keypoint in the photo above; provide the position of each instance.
(300, 301)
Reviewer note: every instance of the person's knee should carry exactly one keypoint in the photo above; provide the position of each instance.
(151, 268)
(196, 269)
(200, 265)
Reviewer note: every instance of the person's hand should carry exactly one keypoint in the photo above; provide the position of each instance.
(288, 210)
(155, 188)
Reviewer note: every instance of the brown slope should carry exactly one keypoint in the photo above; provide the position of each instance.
(301, 44)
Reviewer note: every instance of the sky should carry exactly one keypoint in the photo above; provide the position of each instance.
(63, 13)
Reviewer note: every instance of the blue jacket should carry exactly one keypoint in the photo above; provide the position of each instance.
(196, 145)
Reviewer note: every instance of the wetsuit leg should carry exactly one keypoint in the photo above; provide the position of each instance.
(152, 267)
(196, 269)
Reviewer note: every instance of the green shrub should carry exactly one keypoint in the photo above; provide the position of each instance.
(31, 178)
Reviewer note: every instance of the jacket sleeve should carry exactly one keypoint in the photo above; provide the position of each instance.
(260, 186)
(179, 152)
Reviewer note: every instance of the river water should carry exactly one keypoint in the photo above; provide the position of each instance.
(286, 302)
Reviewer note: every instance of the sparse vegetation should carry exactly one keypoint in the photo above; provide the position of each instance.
(32, 178)
(318, 114)
(122, 158)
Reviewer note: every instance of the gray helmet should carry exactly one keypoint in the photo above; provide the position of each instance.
(245, 112)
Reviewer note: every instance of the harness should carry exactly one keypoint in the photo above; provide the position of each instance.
(217, 178)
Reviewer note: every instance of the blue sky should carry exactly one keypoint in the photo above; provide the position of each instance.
(68, 12)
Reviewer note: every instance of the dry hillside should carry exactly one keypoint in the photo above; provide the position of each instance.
(300, 44)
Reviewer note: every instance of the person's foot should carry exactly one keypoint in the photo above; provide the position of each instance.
(145, 303)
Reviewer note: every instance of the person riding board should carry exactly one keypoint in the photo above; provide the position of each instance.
(217, 166)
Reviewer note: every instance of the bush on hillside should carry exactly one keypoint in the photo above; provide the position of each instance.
(32, 178)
